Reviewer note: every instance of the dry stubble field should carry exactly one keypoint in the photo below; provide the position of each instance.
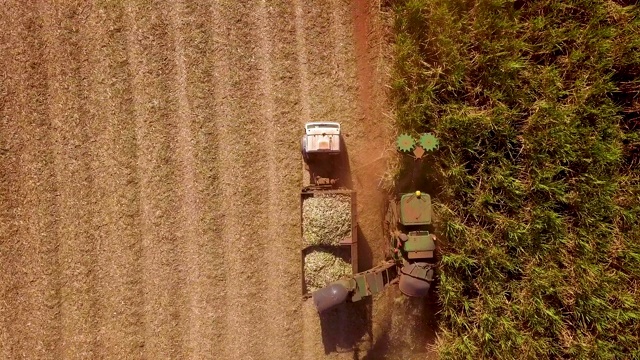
(149, 179)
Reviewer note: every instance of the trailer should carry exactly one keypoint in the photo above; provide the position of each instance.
(328, 210)
(346, 248)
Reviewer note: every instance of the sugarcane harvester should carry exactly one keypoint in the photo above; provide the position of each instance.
(410, 262)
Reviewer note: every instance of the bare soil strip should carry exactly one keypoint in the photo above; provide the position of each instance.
(65, 60)
(243, 168)
(301, 47)
(402, 328)
(273, 198)
(310, 326)
(328, 81)
(281, 118)
(190, 212)
(119, 250)
(206, 88)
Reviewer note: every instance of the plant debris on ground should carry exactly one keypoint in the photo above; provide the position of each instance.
(537, 107)
(322, 266)
(326, 219)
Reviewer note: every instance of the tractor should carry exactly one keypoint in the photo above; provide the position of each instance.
(320, 138)
(321, 147)
(412, 246)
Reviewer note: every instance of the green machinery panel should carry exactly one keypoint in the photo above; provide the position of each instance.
(419, 241)
(415, 209)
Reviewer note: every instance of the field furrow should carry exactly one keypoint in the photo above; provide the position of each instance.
(245, 173)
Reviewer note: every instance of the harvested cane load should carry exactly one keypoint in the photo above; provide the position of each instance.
(326, 219)
(322, 267)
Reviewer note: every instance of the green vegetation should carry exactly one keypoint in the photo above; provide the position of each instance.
(536, 104)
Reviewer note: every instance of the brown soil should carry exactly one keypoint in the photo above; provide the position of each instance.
(150, 176)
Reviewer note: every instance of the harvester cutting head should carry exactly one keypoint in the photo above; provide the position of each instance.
(429, 142)
(407, 144)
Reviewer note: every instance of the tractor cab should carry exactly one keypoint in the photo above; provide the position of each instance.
(321, 138)
(322, 154)
(415, 209)
(407, 220)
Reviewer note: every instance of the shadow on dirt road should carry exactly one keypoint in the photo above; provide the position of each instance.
(344, 327)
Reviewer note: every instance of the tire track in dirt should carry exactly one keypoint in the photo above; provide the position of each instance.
(301, 47)
(329, 97)
(273, 199)
(229, 225)
(343, 63)
(114, 163)
(29, 303)
(310, 323)
(402, 328)
(163, 281)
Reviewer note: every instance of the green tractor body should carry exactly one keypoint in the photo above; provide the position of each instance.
(414, 246)
(419, 245)
(415, 209)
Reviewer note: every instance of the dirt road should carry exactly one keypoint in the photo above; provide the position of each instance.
(149, 178)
